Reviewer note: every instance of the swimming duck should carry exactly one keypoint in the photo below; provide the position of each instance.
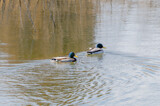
(97, 50)
(70, 58)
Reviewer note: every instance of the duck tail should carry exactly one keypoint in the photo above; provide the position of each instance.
(89, 53)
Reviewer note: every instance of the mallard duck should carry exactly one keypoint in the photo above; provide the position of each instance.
(97, 50)
(70, 58)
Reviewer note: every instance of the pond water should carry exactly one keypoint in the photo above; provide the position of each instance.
(127, 73)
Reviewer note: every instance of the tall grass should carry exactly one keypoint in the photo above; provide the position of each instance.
(45, 28)
(53, 10)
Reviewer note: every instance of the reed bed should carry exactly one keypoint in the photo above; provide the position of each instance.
(45, 28)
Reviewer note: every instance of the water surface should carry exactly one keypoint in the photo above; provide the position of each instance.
(127, 73)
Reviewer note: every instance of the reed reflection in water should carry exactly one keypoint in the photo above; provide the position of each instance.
(42, 29)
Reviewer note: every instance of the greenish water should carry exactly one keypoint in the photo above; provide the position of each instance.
(127, 73)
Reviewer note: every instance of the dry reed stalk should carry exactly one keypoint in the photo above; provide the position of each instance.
(29, 14)
(20, 14)
(3, 8)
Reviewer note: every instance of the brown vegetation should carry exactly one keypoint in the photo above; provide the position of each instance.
(37, 29)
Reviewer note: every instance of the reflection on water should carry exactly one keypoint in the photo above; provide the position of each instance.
(56, 29)
(126, 73)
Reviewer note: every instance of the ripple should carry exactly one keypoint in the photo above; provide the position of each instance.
(93, 83)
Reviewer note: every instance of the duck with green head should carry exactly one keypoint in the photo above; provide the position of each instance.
(70, 58)
(97, 50)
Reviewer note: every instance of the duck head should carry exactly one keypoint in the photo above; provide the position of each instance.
(99, 45)
(72, 55)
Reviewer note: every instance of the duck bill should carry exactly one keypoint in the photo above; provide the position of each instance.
(104, 47)
(75, 56)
